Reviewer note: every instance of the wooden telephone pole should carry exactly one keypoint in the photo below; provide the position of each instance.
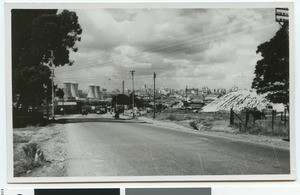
(132, 74)
(186, 96)
(52, 83)
(154, 76)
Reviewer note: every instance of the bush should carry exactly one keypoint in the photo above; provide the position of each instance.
(30, 150)
(33, 158)
(24, 119)
(264, 127)
(172, 117)
(193, 124)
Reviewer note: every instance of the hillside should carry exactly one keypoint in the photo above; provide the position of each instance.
(239, 100)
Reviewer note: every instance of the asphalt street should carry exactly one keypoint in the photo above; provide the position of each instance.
(121, 148)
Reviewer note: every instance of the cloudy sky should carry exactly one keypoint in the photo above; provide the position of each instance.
(185, 47)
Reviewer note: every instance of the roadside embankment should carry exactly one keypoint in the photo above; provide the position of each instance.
(39, 151)
(217, 125)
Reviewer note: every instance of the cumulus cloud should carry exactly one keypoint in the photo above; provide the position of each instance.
(121, 15)
(194, 47)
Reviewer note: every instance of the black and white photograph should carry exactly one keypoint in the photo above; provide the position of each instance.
(150, 92)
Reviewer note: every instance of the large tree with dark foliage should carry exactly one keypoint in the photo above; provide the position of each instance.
(272, 71)
(37, 37)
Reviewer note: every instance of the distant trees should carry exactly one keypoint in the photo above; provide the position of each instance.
(121, 99)
(272, 71)
(59, 93)
(36, 36)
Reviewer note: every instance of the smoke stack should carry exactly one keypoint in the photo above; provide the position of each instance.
(74, 90)
(91, 92)
(67, 90)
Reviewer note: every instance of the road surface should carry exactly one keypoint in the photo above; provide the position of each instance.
(139, 149)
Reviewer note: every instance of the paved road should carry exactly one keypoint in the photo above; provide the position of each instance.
(139, 149)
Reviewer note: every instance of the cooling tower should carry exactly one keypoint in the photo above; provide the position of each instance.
(91, 92)
(74, 90)
(97, 92)
(67, 90)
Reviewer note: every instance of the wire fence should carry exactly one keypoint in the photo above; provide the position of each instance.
(261, 122)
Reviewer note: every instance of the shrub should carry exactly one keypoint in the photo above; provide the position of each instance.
(30, 150)
(33, 158)
(172, 117)
(193, 124)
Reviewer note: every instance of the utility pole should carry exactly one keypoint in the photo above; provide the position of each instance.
(116, 103)
(123, 83)
(186, 93)
(52, 82)
(154, 76)
(47, 103)
(132, 74)
(53, 93)
(186, 97)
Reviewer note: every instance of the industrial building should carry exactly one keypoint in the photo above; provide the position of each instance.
(72, 103)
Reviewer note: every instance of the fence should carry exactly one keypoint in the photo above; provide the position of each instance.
(255, 121)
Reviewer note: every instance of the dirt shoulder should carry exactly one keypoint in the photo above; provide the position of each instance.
(51, 141)
(219, 129)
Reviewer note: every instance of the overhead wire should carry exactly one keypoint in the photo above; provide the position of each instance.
(108, 63)
(157, 49)
(169, 51)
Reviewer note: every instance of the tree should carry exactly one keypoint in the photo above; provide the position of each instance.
(37, 37)
(272, 71)
(137, 102)
(59, 93)
(121, 99)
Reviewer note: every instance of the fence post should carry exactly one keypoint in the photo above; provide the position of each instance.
(281, 116)
(231, 117)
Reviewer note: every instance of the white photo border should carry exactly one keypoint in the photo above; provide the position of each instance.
(117, 179)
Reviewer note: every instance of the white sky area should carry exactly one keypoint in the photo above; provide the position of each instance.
(185, 47)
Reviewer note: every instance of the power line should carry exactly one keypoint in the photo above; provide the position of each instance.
(185, 37)
(261, 11)
(108, 63)
(178, 48)
(165, 47)
(206, 32)
(205, 42)
(110, 83)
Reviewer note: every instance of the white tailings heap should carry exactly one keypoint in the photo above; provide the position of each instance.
(239, 100)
